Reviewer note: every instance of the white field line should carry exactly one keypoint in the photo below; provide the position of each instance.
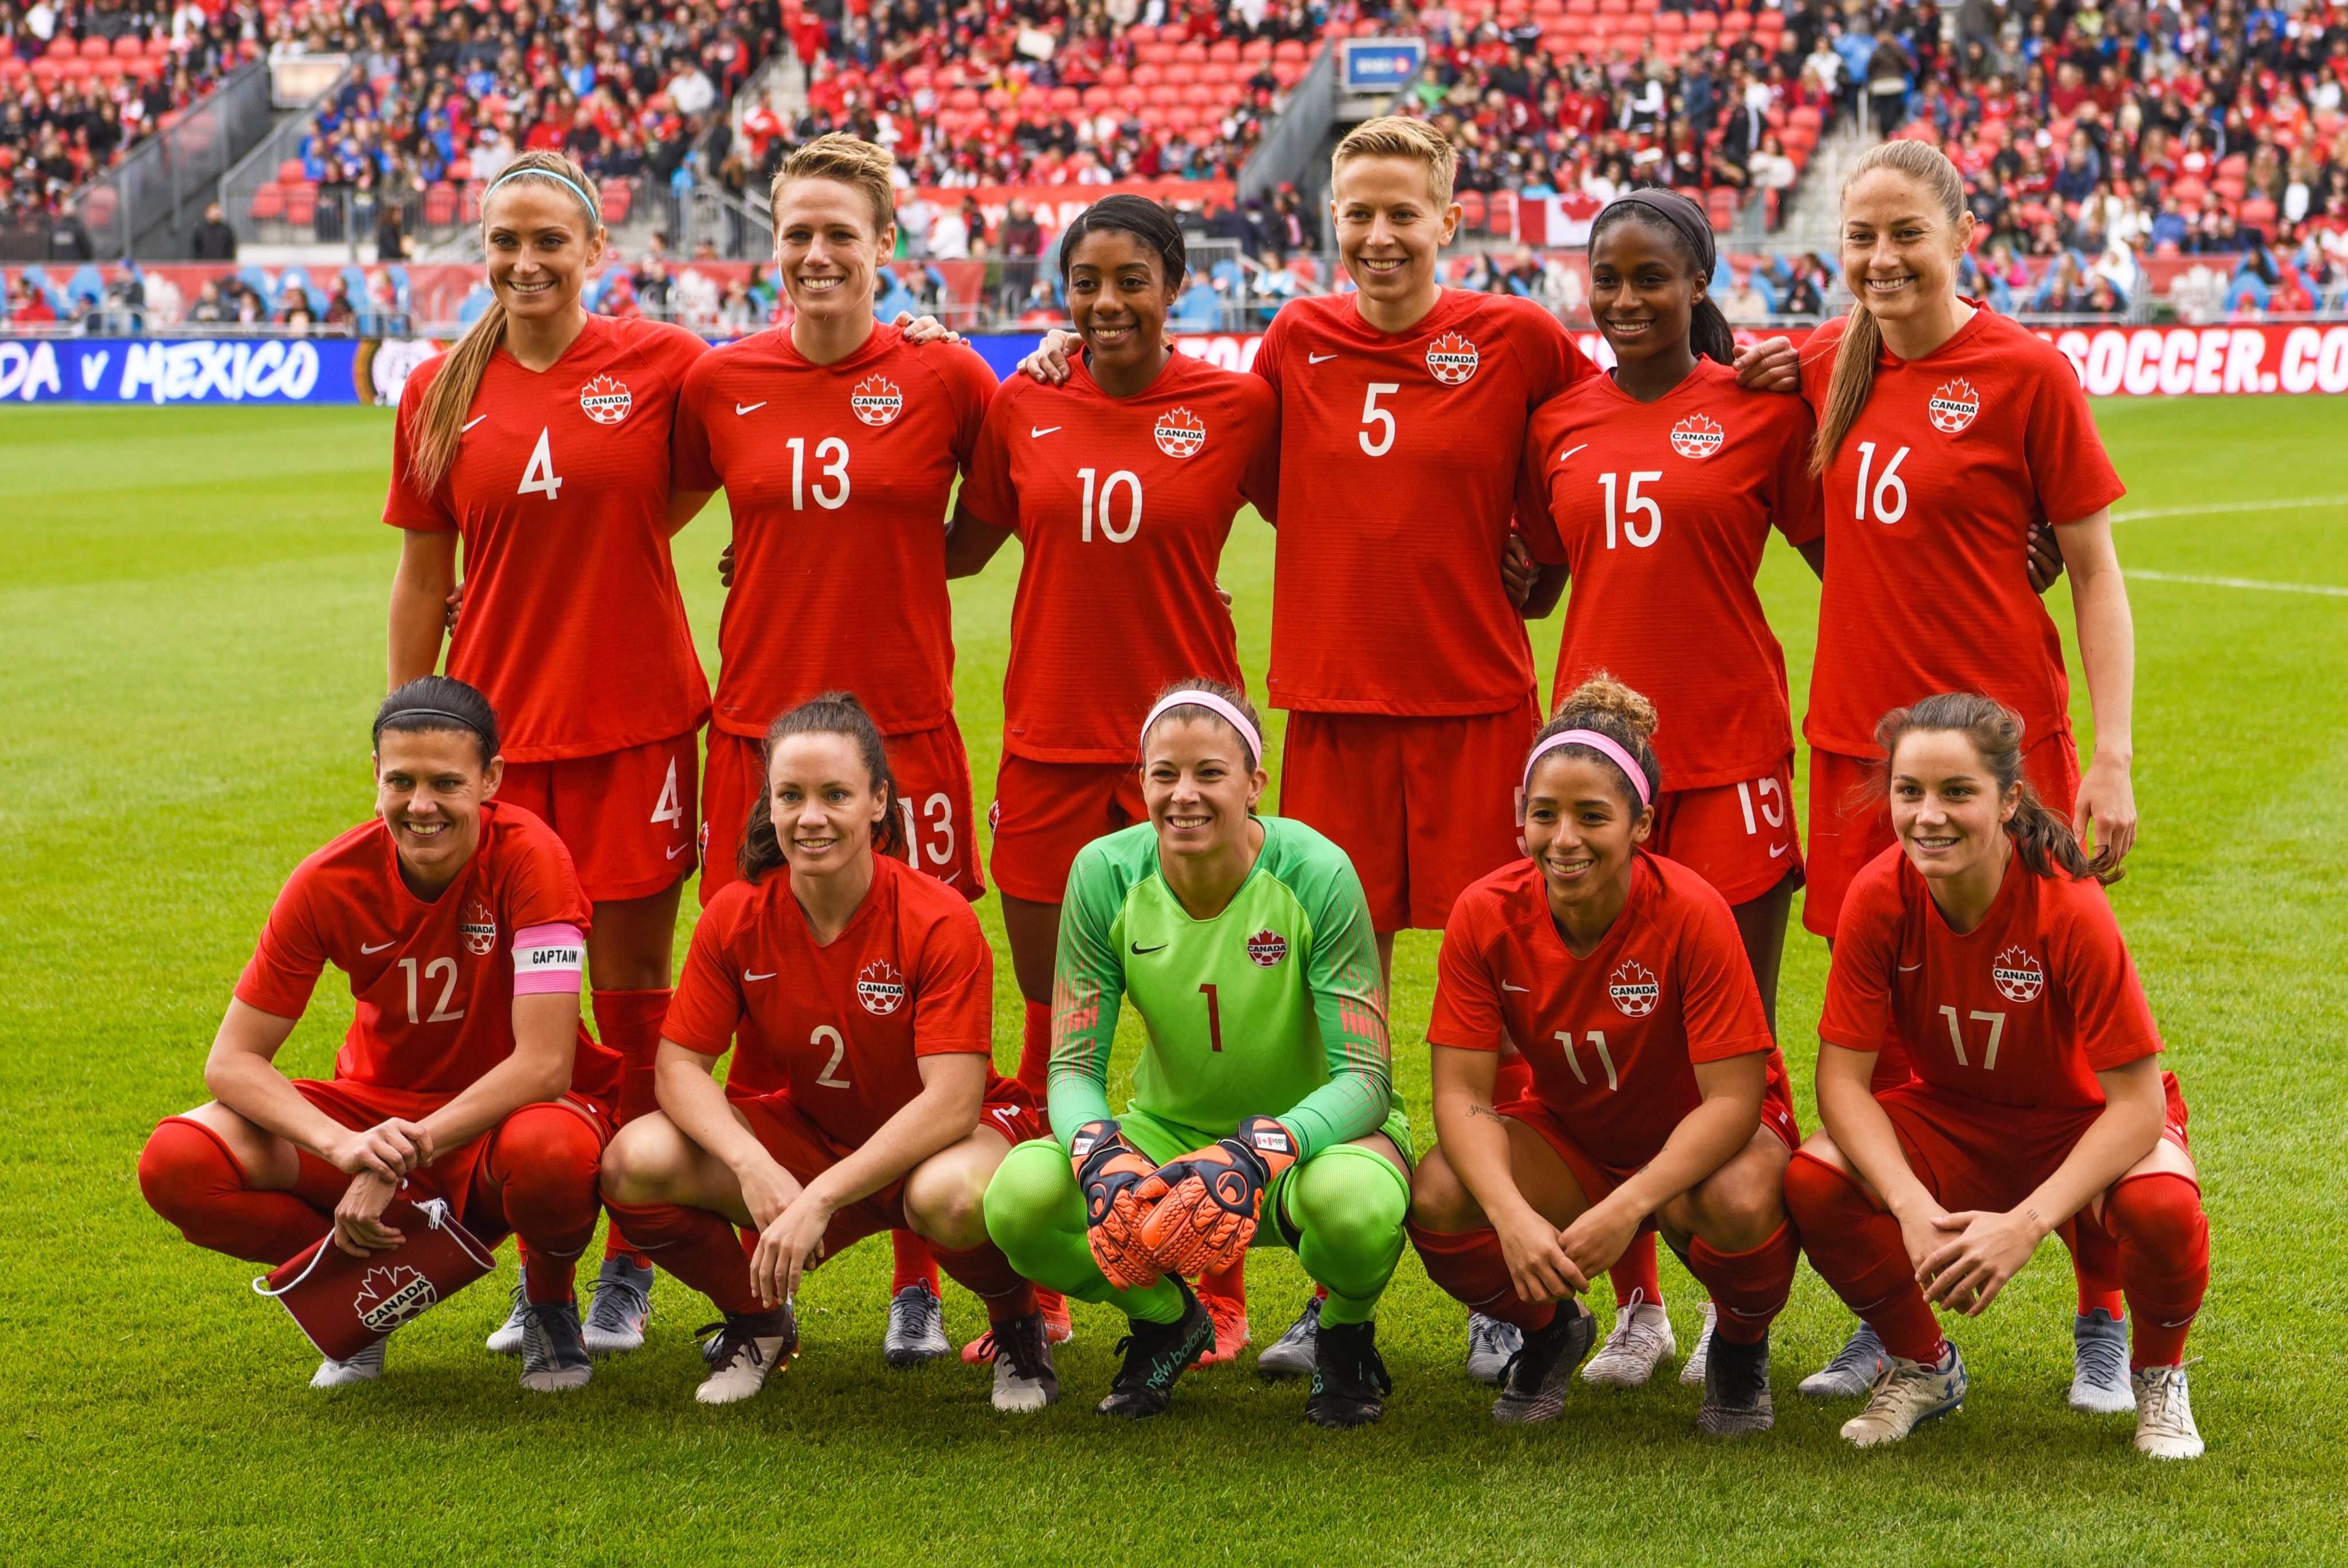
(2324, 589)
(2238, 507)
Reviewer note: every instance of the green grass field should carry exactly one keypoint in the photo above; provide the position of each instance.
(190, 646)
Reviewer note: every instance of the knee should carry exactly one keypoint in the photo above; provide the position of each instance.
(639, 1160)
(1739, 1209)
(181, 1165)
(1349, 1208)
(947, 1204)
(2160, 1213)
(1820, 1195)
(546, 1152)
(1438, 1199)
(1027, 1194)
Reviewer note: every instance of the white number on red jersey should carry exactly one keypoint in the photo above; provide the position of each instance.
(1597, 1044)
(1775, 816)
(1890, 496)
(1996, 1022)
(1102, 509)
(832, 452)
(1372, 415)
(540, 478)
(940, 848)
(838, 1048)
(669, 808)
(1633, 504)
(440, 1013)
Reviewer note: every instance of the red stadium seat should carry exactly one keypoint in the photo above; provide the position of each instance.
(1201, 94)
(1226, 53)
(1260, 49)
(1182, 72)
(1066, 100)
(1201, 135)
(1155, 54)
(268, 204)
(75, 70)
(1288, 50)
(302, 206)
(61, 48)
(1114, 76)
(1216, 72)
(1098, 98)
(1804, 115)
(618, 196)
(2258, 213)
(128, 47)
(1192, 54)
(2235, 166)
(1148, 75)
(2230, 187)
(1671, 22)
(1471, 208)
(1288, 73)
(96, 48)
(997, 100)
(962, 98)
(1141, 33)
(1161, 95)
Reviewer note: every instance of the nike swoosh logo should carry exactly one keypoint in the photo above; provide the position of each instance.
(1910, 968)
(1570, 452)
(680, 849)
(1507, 987)
(747, 408)
(1317, 358)
(748, 976)
(470, 422)
(1140, 950)
(1036, 431)
(1777, 849)
(378, 948)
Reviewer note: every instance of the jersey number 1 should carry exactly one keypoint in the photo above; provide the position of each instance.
(1214, 1017)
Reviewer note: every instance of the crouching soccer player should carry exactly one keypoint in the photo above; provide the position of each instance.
(1263, 1108)
(865, 990)
(465, 1075)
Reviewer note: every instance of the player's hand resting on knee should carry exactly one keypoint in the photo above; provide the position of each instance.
(1982, 1252)
(1538, 1266)
(1109, 1174)
(1599, 1236)
(788, 1246)
(1204, 1205)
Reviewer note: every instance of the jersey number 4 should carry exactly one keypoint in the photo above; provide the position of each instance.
(540, 478)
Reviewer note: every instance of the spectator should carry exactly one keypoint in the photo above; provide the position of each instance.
(1744, 302)
(1888, 82)
(390, 242)
(213, 239)
(1802, 297)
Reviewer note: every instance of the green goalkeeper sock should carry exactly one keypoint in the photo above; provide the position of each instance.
(1037, 1216)
(1348, 1204)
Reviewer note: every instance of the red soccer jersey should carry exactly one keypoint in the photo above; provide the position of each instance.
(2023, 1011)
(1663, 510)
(1122, 506)
(1398, 466)
(1612, 1039)
(434, 982)
(833, 468)
(573, 627)
(1929, 503)
(839, 1027)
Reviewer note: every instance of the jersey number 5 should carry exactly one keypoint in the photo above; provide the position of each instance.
(1383, 418)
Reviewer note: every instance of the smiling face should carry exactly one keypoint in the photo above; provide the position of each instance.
(1946, 807)
(1900, 251)
(1197, 783)
(1642, 292)
(1580, 825)
(1389, 228)
(540, 245)
(1117, 296)
(828, 250)
(429, 789)
(824, 803)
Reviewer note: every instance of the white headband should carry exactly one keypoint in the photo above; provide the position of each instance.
(1228, 711)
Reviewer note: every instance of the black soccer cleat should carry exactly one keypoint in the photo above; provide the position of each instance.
(1156, 1354)
(1533, 1386)
(1736, 1390)
(1350, 1383)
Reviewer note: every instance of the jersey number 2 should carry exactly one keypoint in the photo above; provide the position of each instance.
(838, 1049)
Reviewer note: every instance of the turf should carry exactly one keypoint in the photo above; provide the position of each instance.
(191, 641)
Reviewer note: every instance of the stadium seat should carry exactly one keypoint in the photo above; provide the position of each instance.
(1148, 75)
(300, 205)
(96, 48)
(1288, 50)
(440, 205)
(1192, 54)
(1182, 72)
(1225, 53)
(1098, 98)
(127, 46)
(268, 203)
(1260, 49)
(1066, 100)
(2258, 212)
(1216, 73)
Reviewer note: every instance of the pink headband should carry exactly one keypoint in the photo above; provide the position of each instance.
(1215, 705)
(1604, 745)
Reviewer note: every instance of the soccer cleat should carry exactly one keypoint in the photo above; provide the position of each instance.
(1230, 1313)
(1024, 1377)
(1853, 1371)
(363, 1368)
(917, 1328)
(1736, 1390)
(2099, 1365)
(623, 1305)
(1692, 1369)
(1292, 1355)
(505, 1339)
(1156, 1354)
(1641, 1342)
(1490, 1342)
(749, 1347)
(1533, 1387)
(2164, 1414)
(1350, 1383)
(554, 1349)
(1906, 1395)
(1057, 1328)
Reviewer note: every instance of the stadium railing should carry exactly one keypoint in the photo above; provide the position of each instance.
(146, 205)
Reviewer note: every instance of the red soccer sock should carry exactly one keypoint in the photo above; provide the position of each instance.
(1035, 1049)
(629, 1023)
(1855, 1248)
(698, 1246)
(1231, 1284)
(544, 1161)
(985, 1273)
(1750, 1287)
(192, 1180)
(914, 1264)
(2164, 1252)
(2096, 1264)
(1634, 1275)
(1468, 1265)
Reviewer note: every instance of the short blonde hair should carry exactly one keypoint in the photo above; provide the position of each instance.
(1398, 135)
(849, 161)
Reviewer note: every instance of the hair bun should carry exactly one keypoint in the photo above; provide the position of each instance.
(1603, 695)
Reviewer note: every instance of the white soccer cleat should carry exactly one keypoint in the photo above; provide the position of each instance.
(1490, 1342)
(1023, 1376)
(623, 1305)
(2099, 1366)
(368, 1365)
(1692, 1370)
(505, 1339)
(749, 1348)
(2164, 1414)
(1908, 1394)
(1641, 1342)
(1852, 1372)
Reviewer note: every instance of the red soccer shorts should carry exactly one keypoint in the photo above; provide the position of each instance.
(1972, 1155)
(1850, 819)
(1739, 837)
(626, 816)
(932, 797)
(1422, 806)
(806, 1151)
(1044, 812)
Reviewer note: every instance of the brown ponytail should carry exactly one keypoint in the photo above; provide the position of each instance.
(2042, 835)
(1607, 707)
(832, 713)
(1862, 339)
(440, 423)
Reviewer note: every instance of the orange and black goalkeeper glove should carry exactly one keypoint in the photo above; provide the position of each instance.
(1204, 1207)
(1109, 1172)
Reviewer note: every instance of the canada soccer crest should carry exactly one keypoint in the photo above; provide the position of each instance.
(1633, 989)
(478, 926)
(1697, 436)
(1266, 948)
(876, 400)
(390, 1297)
(1451, 359)
(880, 989)
(605, 401)
(2020, 976)
(1180, 433)
(1954, 406)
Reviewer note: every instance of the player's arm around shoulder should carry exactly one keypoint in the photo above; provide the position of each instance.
(987, 508)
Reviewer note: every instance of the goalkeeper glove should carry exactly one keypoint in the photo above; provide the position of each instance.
(1109, 1174)
(1203, 1207)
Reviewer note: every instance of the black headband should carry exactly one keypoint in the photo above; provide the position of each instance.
(1682, 214)
(458, 720)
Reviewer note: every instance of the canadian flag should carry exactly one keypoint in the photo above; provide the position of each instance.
(1556, 220)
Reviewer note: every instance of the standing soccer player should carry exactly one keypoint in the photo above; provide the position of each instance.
(542, 440)
(1945, 432)
(465, 1075)
(838, 441)
(1983, 945)
(1121, 485)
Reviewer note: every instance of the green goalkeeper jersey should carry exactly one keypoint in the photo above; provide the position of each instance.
(1271, 1009)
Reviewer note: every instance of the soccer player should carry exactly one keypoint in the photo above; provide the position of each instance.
(542, 440)
(464, 1076)
(1121, 486)
(838, 441)
(862, 992)
(1945, 431)
(1982, 943)
(1224, 929)
(1658, 1099)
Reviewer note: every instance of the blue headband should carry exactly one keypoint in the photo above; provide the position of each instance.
(593, 211)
